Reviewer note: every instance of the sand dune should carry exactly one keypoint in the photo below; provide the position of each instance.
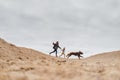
(18, 63)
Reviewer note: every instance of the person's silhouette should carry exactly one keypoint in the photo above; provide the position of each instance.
(55, 47)
(63, 52)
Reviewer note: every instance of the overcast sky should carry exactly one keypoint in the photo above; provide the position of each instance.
(92, 26)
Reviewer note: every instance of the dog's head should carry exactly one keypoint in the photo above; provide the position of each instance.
(80, 52)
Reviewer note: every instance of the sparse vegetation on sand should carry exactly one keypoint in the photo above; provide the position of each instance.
(18, 63)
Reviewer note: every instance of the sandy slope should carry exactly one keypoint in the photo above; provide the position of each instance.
(18, 63)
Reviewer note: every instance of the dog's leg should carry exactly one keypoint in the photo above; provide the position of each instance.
(78, 56)
(81, 56)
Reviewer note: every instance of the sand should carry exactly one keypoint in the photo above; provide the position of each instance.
(19, 63)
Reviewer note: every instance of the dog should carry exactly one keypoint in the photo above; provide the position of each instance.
(75, 54)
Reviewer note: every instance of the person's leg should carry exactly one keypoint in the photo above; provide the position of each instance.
(64, 55)
(56, 53)
(60, 55)
(52, 52)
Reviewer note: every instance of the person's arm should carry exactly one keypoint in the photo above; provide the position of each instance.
(53, 43)
(59, 47)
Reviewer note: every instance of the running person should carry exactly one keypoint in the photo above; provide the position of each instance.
(63, 52)
(55, 47)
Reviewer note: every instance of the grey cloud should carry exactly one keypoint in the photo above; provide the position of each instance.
(89, 25)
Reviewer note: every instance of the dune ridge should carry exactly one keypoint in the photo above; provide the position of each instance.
(19, 63)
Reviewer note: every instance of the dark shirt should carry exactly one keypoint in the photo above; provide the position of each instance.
(56, 46)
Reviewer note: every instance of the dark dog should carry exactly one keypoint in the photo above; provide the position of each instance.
(75, 54)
